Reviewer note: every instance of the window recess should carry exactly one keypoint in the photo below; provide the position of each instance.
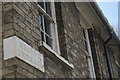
(48, 28)
(48, 31)
(46, 23)
(87, 50)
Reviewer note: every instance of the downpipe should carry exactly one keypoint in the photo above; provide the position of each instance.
(107, 55)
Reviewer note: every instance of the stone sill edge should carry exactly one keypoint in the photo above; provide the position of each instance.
(70, 65)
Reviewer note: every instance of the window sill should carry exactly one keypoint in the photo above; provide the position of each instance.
(49, 51)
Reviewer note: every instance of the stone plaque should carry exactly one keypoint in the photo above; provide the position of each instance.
(15, 47)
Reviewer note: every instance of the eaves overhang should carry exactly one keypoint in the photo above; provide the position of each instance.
(93, 15)
(114, 44)
(105, 21)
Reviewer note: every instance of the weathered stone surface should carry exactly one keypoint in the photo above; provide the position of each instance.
(17, 21)
(8, 33)
(71, 36)
(7, 6)
(21, 19)
(15, 47)
(12, 75)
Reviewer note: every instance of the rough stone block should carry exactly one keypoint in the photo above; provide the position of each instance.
(19, 10)
(7, 71)
(7, 7)
(8, 26)
(8, 33)
(12, 75)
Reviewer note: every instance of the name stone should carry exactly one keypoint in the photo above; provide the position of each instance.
(15, 47)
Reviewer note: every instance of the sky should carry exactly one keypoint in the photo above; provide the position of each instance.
(110, 10)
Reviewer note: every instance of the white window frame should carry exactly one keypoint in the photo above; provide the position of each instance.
(54, 33)
(89, 54)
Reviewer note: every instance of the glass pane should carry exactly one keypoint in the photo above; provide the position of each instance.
(48, 8)
(48, 41)
(86, 46)
(47, 27)
(42, 36)
(41, 21)
(41, 3)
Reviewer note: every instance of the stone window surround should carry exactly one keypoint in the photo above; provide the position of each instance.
(56, 50)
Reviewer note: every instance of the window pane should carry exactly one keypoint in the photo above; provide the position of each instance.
(47, 27)
(48, 8)
(41, 21)
(45, 23)
(41, 3)
(48, 41)
(86, 46)
(42, 36)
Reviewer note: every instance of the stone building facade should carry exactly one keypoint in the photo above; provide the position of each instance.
(56, 40)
